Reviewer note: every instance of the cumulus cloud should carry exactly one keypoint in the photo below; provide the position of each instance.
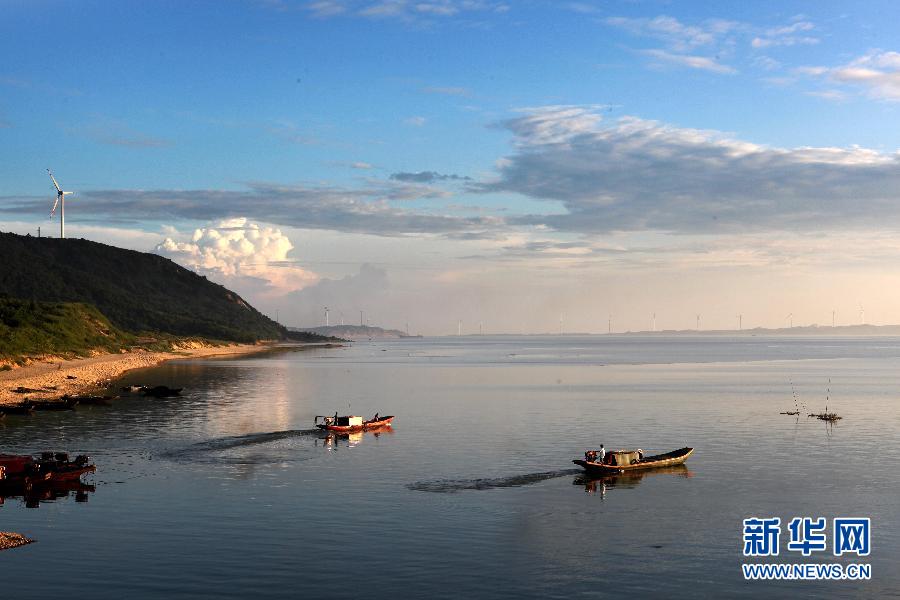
(878, 73)
(235, 249)
(634, 174)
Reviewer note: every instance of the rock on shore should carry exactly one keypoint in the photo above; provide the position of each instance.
(12, 540)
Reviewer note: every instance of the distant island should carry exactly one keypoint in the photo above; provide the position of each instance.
(354, 332)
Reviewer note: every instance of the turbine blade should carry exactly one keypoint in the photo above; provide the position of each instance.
(67, 193)
(53, 210)
(54, 180)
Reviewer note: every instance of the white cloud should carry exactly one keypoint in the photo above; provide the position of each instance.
(238, 249)
(674, 33)
(685, 60)
(682, 41)
(788, 35)
(877, 73)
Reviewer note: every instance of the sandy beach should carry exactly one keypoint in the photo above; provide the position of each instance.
(55, 377)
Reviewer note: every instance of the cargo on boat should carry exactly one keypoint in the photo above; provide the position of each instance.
(352, 423)
(621, 461)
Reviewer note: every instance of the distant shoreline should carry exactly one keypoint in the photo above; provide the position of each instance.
(85, 375)
(806, 331)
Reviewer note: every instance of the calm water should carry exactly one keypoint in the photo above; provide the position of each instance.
(226, 493)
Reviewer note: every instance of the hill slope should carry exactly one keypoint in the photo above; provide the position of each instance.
(29, 328)
(136, 291)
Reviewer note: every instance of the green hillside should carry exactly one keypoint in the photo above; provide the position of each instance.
(136, 291)
(29, 328)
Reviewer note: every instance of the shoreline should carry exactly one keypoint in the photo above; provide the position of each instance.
(55, 377)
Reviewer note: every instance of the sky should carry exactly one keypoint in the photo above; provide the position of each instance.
(516, 166)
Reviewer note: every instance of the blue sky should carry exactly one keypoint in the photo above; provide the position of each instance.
(472, 151)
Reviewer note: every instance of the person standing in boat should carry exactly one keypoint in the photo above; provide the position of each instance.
(601, 454)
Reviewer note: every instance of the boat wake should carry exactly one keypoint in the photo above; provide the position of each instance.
(452, 486)
(204, 449)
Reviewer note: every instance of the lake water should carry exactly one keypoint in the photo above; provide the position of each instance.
(226, 493)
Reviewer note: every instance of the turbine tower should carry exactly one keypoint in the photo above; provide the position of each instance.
(61, 201)
(326, 317)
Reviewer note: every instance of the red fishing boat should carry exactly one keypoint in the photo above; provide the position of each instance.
(351, 424)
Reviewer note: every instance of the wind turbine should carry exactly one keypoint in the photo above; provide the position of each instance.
(791, 320)
(61, 201)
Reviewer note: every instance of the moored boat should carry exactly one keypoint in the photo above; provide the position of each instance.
(621, 461)
(161, 391)
(353, 423)
(23, 408)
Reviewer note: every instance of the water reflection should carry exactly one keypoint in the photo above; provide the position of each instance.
(630, 479)
(331, 440)
(32, 494)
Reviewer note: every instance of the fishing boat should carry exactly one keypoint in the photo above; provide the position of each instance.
(352, 423)
(622, 461)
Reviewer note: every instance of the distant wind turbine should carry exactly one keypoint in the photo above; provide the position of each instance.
(326, 317)
(61, 202)
(791, 320)
(740, 322)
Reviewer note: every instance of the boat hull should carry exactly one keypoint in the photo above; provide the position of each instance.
(367, 426)
(676, 457)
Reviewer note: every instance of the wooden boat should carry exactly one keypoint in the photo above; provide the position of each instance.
(352, 423)
(622, 461)
(25, 408)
